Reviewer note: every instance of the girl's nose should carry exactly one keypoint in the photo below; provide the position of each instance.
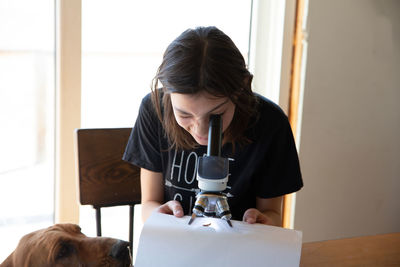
(201, 127)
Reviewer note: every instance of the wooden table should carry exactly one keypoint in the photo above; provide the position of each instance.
(377, 251)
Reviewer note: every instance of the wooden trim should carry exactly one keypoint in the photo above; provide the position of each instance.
(68, 106)
(294, 96)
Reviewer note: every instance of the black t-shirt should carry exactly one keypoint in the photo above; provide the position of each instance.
(267, 167)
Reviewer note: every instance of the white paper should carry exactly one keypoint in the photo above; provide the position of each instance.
(169, 241)
(137, 229)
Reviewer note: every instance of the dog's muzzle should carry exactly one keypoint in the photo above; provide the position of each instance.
(120, 251)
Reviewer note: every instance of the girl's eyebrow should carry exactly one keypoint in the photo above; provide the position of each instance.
(213, 109)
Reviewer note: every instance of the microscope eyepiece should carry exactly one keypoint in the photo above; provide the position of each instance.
(214, 136)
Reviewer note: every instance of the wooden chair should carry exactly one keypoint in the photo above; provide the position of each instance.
(104, 179)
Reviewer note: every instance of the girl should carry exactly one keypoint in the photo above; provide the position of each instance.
(203, 73)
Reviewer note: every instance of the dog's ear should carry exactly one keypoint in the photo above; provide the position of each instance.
(9, 262)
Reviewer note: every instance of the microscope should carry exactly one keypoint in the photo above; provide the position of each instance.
(212, 177)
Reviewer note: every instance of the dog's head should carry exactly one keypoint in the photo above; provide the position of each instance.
(65, 245)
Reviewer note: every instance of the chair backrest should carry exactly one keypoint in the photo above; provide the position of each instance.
(104, 178)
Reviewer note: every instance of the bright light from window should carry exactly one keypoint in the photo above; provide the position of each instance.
(26, 119)
(123, 42)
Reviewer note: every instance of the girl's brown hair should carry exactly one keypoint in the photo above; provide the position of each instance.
(203, 59)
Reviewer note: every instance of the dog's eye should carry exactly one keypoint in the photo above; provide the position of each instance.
(64, 251)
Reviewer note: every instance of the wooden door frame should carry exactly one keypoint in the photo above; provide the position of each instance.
(294, 111)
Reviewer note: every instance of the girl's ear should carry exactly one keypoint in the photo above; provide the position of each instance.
(247, 81)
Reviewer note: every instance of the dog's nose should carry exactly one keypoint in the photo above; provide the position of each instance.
(120, 250)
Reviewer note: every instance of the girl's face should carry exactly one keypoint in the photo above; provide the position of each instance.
(192, 113)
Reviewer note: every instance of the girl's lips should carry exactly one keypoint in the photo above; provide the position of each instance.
(204, 139)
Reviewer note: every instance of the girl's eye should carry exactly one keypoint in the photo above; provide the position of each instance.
(220, 114)
(185, 117)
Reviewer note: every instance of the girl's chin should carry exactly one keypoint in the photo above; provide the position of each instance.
(202, 143)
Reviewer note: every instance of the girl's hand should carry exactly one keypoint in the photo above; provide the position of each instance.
(171, 207)
(255, 216)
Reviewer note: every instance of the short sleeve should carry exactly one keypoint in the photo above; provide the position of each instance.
(143, 148)
(280, 172)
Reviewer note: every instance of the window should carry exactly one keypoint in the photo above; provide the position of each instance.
(120, 56)
(122, 52)
(27, 119)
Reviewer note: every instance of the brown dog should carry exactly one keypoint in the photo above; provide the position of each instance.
(65, 245)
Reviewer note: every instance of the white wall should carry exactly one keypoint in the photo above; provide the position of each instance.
(350, 136)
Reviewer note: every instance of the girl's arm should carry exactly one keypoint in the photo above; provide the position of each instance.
(267, 211)
(152, 188)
